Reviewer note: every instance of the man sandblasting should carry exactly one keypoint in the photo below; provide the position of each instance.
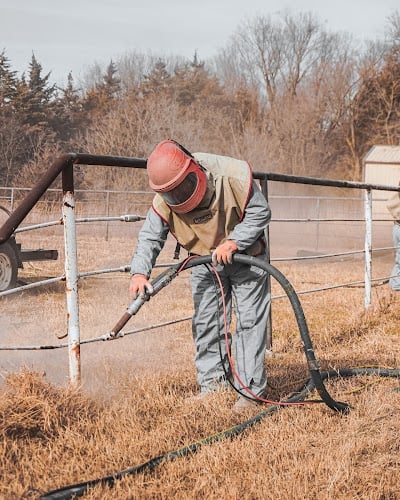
(211, 205)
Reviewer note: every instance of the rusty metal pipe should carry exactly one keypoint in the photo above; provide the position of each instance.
(110, 161)
(19, 214)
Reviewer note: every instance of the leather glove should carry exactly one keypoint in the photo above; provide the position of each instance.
(139, 285)
(223, 253)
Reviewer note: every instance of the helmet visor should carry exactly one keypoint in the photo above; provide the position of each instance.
(182, 192)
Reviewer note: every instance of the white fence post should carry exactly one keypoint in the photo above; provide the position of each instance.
(318, 212)
(107, 212)
(71, 285)
(368, 246)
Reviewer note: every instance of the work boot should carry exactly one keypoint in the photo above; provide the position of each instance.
(244, 404)
(206, 393)
(201, 396)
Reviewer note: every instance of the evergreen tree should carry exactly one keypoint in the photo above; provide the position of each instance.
(69, 117)
(35, 97)
(157, 81)
(8, 83)
(100, 97)
(111, 83)
(193, 83)
(12, 131)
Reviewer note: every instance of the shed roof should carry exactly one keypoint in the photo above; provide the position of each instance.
(383, 154)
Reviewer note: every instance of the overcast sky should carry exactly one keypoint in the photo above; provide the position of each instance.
(72, 35)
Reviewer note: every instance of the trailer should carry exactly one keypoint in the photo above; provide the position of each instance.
(12, 257)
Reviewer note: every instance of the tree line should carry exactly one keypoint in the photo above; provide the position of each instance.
(283, 93)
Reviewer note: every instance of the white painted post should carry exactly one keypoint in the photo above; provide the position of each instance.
(368, 246)
(12, 200)
(71, 285)
(318, 216)
(107, 212)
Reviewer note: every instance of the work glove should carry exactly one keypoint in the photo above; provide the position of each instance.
(223, 253)
(139, 285)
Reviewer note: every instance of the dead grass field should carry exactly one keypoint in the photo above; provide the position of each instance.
(132, 404)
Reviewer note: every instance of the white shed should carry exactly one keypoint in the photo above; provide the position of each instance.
(381, 165)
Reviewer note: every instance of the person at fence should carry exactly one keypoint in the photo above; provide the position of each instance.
(393, 206)
(211, 205)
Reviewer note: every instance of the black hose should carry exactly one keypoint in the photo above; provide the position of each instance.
(313, 364)
(315, 382)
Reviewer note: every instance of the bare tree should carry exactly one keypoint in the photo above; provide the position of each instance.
(393, 29)
(304, 45)
(309, 78)
(276, 54)
(255, 52)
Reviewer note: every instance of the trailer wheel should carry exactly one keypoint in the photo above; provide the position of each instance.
(8, 267)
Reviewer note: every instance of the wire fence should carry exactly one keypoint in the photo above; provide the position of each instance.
(314, 202)
(320, 227)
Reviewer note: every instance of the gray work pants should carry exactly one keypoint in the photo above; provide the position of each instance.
(394, 281)
(247, 286)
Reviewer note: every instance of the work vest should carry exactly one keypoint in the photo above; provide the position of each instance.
(204, 228)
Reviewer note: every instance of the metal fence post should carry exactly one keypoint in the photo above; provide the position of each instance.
(264, 189)
(71, 276)
(368, 246)
(318, 214)
(107, 212)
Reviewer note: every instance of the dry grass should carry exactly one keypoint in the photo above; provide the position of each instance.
(132, 406)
